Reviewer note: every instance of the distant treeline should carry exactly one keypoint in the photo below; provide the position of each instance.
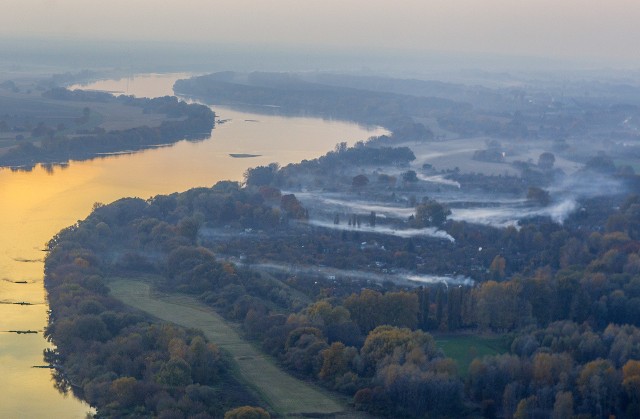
(418, 110)
(184, 121)
(291, 95)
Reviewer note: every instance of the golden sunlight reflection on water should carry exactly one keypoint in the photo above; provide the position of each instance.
(35, 205)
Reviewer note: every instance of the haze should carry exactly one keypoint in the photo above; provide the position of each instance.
(586, 31)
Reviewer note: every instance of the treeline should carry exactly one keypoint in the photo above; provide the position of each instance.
(292, 95)
(400, 105)
(307, 337)
(120, 362)
(566, 296)
(337, 165)
(564, 370)
(572, 327)
(117, 360)
(183, 121)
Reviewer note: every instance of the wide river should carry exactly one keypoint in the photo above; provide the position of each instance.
(35, 205)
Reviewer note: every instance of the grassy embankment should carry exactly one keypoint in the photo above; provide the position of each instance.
(286, 395)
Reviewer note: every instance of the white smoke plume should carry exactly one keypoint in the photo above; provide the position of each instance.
(440, 179)
(406, 233)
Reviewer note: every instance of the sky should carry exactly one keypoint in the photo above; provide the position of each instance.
(601, 31)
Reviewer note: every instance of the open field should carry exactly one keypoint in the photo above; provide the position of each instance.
(465, 348)
(286, 395)
(23, 110)
(453, 153)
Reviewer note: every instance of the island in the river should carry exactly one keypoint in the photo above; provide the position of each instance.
(55, 125)
(243, 155)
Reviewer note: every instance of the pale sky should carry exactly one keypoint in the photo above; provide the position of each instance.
(599, 30)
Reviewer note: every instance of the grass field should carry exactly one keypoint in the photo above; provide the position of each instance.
(464, 348)
(27, 108)
(286, 395)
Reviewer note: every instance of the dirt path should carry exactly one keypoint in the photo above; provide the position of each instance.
(287, 395)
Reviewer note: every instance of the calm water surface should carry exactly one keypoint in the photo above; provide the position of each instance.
(35, 205)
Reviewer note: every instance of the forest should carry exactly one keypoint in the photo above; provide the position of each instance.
(560, 298)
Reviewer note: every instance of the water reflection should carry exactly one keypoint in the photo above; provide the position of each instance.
(145, 85)
(36, 204)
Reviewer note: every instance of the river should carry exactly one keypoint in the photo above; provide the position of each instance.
(35, 205)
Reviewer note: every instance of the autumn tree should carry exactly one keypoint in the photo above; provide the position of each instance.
(599, 385)
(386, 342)
(631, 386)
(292, 207)
(339, 367)
(500, 306)
(563, 405)
(497, 267)
(247, 412)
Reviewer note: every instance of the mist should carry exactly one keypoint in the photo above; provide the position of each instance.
(378, 229)
(492, 209)
(342, 274)
(530, 31)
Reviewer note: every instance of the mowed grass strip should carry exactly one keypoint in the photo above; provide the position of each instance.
(287, 395)
(465, 348)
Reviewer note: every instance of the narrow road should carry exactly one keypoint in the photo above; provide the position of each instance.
(287, 395)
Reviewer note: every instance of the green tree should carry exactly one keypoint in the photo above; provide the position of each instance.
(410, 176)
(538, 195)
(126, 391)
(364, 309)
(546, 160)
(399, 309)
(431, 214)
(175, 372)
(261, 175)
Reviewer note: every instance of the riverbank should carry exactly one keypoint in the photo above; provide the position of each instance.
(58, 125)
(40, 202)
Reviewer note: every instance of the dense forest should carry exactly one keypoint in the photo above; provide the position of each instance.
(182, 121)
(562, 298)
